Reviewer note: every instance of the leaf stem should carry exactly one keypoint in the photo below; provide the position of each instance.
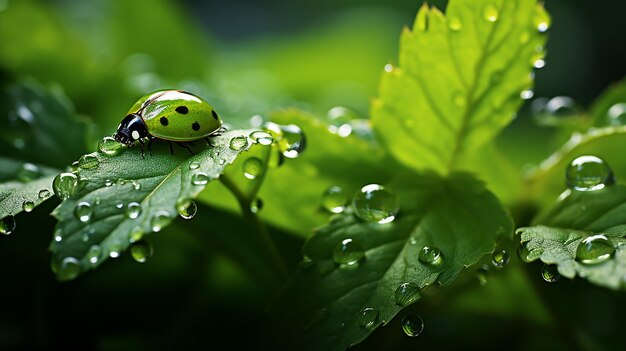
(263, 237)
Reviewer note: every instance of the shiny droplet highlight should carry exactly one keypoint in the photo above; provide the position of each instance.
(373, 203)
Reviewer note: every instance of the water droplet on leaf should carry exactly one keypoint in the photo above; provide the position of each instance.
(83, 211)
(500, 258)
(43, 193)
(348, 253)
(186, 208)
(373, 203)
(160, 219)
(256, 205)
(199, 178)
(88, 161)
(368, 317)
(93, 254)
(490, 13)
(261, 137)
(109, 146)
(252, 168)
(407, 293)
(430, 255)
(29, 172)
(65, 184)
(141, 251)
(238, 143)
(7, 225)
(482, 274)
(550, 273)
(68, 269)
(334, 199)
(412, 325)
(293, 142)
(587, 173)
(594, 249)
(194, 165)
(28, 206)
(133, 210)
(617, 114)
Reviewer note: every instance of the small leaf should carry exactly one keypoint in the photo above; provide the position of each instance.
(322, 306)
(33, 187)
(459, 80)
(577, 215)
(126, 196)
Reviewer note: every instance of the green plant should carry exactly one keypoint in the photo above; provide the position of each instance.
(451, 198)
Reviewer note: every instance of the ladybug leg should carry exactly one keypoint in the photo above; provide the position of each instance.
(171, 147)
(142, 152)
(185, 147)
(150, 141)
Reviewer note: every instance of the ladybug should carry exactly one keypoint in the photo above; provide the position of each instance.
(171, 115)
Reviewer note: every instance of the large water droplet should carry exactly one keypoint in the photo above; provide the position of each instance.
(88, 161)
(407, 293)
(293, 141)
(412, 325)
(238, 143)
(7, 225)
(68, 269)
(29, 172)
(160, 219)
(368, 317)
(594, 249)
(550, 273)
(252, 168)
(141, 251)
(200, 178)
(28, 206)
(194, 165)
(65, 184)
(500, 258)
(93, 254)
(83, 211)
(133, 210)
(617, 114)
(261, 137)
(430, 255)
(110, 146)
(348, 253)
(334, 199)
(588, 173)
(43, 193)
(186, 208)
(490, 13)
(374, 203)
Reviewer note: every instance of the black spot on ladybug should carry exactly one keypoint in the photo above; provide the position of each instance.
(214, 114)
(164, 121)
(195, 125)
(182, 110)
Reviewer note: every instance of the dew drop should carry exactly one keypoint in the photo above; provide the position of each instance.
(368, 317)
(43, 193)
(334, 199)
(482, 274)
(160, 219)
(348, 253)
(29, 172)
(83, 211)
(252, 168)
(293, 141)
(550, 273)
(500, 258)
(407, 293)
(563, 106)
(256, 205)
(523, 252)
(527, 94)
(7, 225)
(65, 184)
(389, 68)
(108, 182)
(68, 269)
(186, 208)
(199, 178)
(541, 21)
(119, 204)
(586, 173)
(93, 254)
(261, 137)
(454, 23)
(430, 255)
(373, 203)
(135, 234)
(133, 210)
(490, 13)
(109, 146)
(115, 250)
(89, 161)
(617, 114)
(238, 143)
(412, 325)
(594, 249)
(28, 206)
(141, 251)
(194, 165)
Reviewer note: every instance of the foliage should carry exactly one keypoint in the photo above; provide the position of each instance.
(260, 189)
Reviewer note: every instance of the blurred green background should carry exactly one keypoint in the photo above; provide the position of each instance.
(247, 58)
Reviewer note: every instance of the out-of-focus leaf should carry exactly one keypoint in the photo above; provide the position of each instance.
(609, 109)
(322, 306)
(458, 81)
(120, 198)
(23, 186)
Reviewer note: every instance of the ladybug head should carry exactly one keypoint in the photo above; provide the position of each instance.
(131, 129)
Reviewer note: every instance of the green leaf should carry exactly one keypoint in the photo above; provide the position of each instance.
(159, 184)
(459, 80)
(320, 309)
(576, 215)
(610, 108)
(547, 180)
(23, 186)
(329, 160)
